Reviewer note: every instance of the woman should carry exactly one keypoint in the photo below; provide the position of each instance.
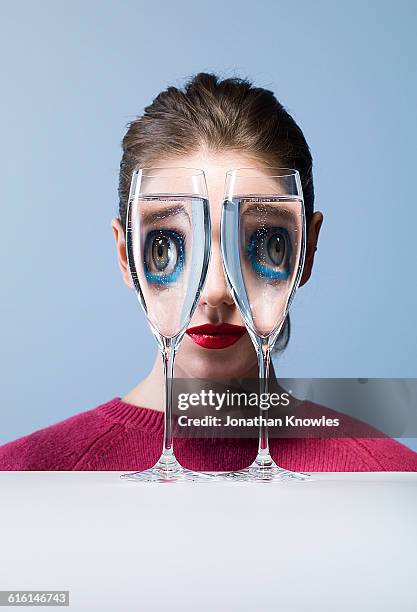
(214, 125)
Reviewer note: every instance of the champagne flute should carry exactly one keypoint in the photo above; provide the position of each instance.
(168, 244)
(263, 236)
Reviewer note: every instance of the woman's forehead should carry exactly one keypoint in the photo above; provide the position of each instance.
(215, 164)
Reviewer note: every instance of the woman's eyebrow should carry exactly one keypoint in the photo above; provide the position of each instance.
(150, 216)
(261, 208)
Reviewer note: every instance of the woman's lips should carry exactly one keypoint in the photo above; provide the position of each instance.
(216, 336)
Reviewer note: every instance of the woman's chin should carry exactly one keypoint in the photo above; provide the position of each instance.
(234, 361)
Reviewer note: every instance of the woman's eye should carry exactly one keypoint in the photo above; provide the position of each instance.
(164, 256)
(276, 247)
(269, 251)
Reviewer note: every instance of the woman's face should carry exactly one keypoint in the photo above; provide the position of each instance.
(202, 353)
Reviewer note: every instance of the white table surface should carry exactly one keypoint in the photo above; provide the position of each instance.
(345, 542)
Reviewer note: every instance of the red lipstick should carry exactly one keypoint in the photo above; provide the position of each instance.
(216, 336)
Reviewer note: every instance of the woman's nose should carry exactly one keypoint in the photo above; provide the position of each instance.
(216, 292)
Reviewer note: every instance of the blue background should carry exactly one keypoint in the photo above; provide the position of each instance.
(74, 73)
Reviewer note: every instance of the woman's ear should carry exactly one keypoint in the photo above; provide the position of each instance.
(119, 236)
(311, 247)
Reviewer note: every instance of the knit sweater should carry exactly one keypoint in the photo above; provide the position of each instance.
(121, 436)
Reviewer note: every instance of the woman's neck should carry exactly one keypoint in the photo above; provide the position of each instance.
(149, 392)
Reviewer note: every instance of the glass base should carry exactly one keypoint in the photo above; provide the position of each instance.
(269, 472)
(167, 469)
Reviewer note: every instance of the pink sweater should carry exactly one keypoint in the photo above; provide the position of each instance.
(121, 436)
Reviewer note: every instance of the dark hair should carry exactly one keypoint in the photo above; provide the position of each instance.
(217, 114)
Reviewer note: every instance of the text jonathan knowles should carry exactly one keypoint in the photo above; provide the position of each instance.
(228, 421)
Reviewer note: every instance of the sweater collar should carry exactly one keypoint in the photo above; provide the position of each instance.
(118, 411)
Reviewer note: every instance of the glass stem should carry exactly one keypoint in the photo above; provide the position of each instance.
(263, 458)
(168, 356)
